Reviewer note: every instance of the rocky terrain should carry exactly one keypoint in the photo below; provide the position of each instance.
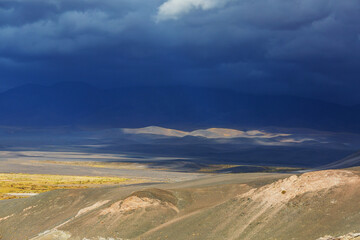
(350, 236)
(313, 205)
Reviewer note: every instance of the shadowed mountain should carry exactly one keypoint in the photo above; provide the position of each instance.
(78, 104)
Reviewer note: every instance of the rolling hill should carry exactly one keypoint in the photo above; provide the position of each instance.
(241, 206)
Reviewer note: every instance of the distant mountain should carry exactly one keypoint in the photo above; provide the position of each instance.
(350, 161)
(79, 104)
(216, 133)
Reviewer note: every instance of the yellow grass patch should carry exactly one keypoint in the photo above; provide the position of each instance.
(38, 183)
(116, 165)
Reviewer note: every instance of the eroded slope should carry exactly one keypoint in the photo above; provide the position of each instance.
(307, 206)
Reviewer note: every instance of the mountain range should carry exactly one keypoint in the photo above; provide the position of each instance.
(80, 104)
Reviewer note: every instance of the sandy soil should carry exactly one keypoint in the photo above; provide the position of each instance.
(235, 206)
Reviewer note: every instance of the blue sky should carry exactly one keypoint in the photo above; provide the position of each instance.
(299, 47)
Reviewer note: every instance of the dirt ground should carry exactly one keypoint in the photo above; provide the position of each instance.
(224, 206)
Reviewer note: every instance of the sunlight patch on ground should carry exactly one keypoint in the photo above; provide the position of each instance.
(24, 185)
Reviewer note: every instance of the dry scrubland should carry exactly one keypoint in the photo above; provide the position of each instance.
(250, 206)
(94, 164)
(37, 183)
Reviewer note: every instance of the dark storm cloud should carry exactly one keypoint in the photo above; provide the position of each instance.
(302, 47)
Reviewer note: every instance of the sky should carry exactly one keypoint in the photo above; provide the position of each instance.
(307, 48)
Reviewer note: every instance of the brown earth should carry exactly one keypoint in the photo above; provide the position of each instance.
(235, 206)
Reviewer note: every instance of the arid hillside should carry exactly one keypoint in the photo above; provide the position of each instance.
(314, 205)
